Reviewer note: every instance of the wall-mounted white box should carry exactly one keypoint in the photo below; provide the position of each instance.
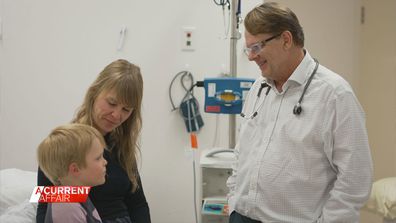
(188, 38)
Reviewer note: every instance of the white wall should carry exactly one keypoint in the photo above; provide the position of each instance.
(52, 50)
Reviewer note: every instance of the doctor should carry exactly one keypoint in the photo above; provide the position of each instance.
(303, 152)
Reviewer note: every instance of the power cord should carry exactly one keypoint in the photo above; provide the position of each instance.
(189, 106)
(185, 74)
(189, 110)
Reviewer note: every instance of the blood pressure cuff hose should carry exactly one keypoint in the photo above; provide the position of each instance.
(190, 112)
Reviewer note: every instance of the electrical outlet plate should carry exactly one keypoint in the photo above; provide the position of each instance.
(188, 38)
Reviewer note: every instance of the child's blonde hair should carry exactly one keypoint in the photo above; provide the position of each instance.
(65, 145)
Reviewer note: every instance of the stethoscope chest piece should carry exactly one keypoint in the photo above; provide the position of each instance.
(297, 109)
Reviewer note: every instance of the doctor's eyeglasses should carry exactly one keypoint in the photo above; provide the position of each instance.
(257, 47)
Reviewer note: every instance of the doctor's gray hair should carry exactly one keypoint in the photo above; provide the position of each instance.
(272, 18)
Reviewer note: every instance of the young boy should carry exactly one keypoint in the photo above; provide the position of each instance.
(72, 155)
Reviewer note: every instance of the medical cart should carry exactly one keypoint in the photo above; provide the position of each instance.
(216, 167)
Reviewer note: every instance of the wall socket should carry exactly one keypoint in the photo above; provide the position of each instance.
(188, 38)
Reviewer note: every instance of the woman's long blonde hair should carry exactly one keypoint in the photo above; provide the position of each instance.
(126, 80)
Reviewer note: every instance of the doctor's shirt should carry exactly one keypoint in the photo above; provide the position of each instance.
(312, 167)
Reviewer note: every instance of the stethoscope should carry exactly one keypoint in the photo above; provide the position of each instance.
(297, 108)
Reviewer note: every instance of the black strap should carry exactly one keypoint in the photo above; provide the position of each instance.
(89, 209)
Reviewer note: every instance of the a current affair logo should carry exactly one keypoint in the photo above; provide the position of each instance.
(59, 194)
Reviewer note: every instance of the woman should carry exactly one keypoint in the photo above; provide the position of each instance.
(113, 106)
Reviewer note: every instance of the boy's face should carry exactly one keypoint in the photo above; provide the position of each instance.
(94, 172)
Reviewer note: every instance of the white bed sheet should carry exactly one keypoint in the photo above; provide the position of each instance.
(16, 186)
(382, 200)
